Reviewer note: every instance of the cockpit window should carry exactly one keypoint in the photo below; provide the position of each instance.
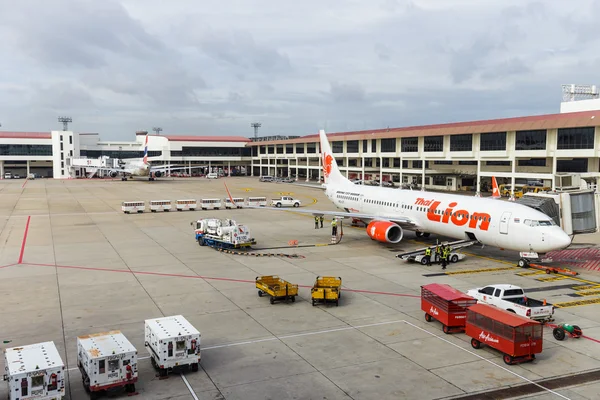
(531, 222)
(546, 223)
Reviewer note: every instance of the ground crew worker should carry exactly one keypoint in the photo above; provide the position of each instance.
(316, 221)
(321, 218)
(334, 227)
(438, 253)
(428, 255)
(444, 257)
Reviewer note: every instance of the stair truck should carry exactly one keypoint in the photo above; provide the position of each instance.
(518, 338)
(35, 371)
(107, 361)
(222, 233)
(447, 305)
(172, 343)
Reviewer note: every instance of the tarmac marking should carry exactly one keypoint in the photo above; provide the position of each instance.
(586, 287)
(189, 386)
(477, 271)
(552, 278)
(24, 240)
(488, 361)
(577, 303)
(531, 273)
(588, 293)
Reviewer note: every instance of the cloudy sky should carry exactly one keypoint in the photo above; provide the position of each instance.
(213, 67)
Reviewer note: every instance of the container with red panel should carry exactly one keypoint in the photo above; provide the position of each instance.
(517, 337)
(447, 305)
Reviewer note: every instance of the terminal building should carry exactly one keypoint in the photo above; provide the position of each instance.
(454, 156)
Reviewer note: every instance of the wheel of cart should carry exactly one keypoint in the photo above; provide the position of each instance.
(446, 305)
(276, 288)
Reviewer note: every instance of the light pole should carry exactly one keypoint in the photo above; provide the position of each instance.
(256, 125)
(157, 130)
(65, 121)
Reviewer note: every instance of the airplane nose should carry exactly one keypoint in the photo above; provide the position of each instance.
(561, 240)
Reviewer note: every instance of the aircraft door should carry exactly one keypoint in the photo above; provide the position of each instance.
(504, 219)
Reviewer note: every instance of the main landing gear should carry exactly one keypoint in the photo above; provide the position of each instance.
(422, 234)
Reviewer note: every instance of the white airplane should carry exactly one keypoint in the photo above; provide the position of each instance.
(142, 167)
(389, 212)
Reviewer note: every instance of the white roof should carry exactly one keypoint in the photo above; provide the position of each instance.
(105, 344)
(172, 326)
(32, 357)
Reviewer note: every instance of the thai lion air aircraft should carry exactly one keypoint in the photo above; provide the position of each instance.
(389, 212)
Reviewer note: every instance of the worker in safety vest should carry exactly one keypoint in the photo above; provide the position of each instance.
(316, 221)
(334, 227)
(444, 256)
(321, 219)
(428, 255)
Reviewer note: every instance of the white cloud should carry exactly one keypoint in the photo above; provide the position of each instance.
(212, 67)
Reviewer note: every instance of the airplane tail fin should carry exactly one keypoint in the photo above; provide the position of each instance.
(146, 151)
(495, 190)
(331, 172)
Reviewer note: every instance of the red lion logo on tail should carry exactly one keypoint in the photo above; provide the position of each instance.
(327, 160)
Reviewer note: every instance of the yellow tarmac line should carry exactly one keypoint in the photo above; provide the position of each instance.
(576, 303)
(477, 271)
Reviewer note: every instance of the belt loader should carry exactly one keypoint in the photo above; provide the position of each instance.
(35, 371)
(222, 233)
(172, 342)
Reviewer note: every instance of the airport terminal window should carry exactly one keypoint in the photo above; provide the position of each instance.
(386, 163)
(337, 147)
(368, 162)
(396, 163)
(531, 140)
(439, 180)
(443, 162)
(300, 148)
(417, 164)
(574, 165)
(409, 144)
(493, 141)
(498, 163)
(270, 149)
(576, 138)
(533, 162)
(311, 147)
(279, 148)
(289, 148)
(433, 143)
(374, 146)
(467, 163)
(215, 151)
(25, 150)
(365, 146)
(352, 146)
(461, 142)
(404, 163)
(255, 151)
(388, 145)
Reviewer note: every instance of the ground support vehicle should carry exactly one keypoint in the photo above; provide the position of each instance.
(327, 289)
(238, 202)
(107, 361)
(513, 299)
(418, 255)
(133, 206)
(222, 234)
(517, 337)
(562, 330)
(186, 204)
(35, 371)
(210, 204)
(257, 201)
(285, 201)
(276, 288)
(172, 343)
(160, 205)
(447, 305)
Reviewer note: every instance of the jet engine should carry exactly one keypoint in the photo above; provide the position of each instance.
(157, 174)
(385, 231)
(113, 174)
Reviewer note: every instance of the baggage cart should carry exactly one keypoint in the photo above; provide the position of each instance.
(107, 361)
(518, 338)
(35, 371)
(327, 289)
(133, 206)
(172, 343)
(276, 288)
(257, 201)
(160, 205)
(185, 205)
(447, 305)
(210, 204)
(238, 201)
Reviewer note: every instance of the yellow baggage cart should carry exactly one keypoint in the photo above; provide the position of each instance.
(276, 288)
(326, 289)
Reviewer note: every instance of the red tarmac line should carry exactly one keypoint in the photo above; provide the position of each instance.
(24, 240)
(6, 266)
(24, 183)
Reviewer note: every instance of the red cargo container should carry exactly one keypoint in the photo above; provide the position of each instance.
(517, 337)
(447, 305)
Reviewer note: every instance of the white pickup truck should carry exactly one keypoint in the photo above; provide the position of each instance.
(285, 201)
(513, 299)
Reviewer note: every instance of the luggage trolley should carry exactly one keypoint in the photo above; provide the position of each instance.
(447, 305)
(277, 288)
(518, 338)
(327, 289)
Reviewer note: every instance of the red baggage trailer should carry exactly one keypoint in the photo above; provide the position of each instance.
(447, 305)
(518, 338)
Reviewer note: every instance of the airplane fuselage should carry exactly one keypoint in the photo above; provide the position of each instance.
(493, 222)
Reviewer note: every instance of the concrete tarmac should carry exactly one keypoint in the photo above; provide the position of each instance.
(71, 263)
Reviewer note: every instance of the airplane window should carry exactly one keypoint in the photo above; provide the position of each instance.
(546, 223)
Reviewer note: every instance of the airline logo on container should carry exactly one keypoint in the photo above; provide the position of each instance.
(433, 311)
(485, 337)
(455, 217)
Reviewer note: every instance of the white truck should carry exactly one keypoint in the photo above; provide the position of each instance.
(285, 201)
(513, 299)
(172, 342)
(222, 233)
(107, 361)
(35, 371)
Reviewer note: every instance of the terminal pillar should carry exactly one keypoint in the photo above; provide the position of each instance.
(401, 171)
(251, 167)
(229, 168)
(423, 175)
(307, 170)
(27, 176)
(478, 188)
(554, 173)
(1, 169)
(512, 179)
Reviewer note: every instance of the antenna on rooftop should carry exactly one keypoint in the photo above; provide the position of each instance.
(256, 125)
(65, 121)
(579, 92)
(157, 129)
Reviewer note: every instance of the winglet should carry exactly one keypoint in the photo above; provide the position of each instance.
(229, 195)
(495, 190)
